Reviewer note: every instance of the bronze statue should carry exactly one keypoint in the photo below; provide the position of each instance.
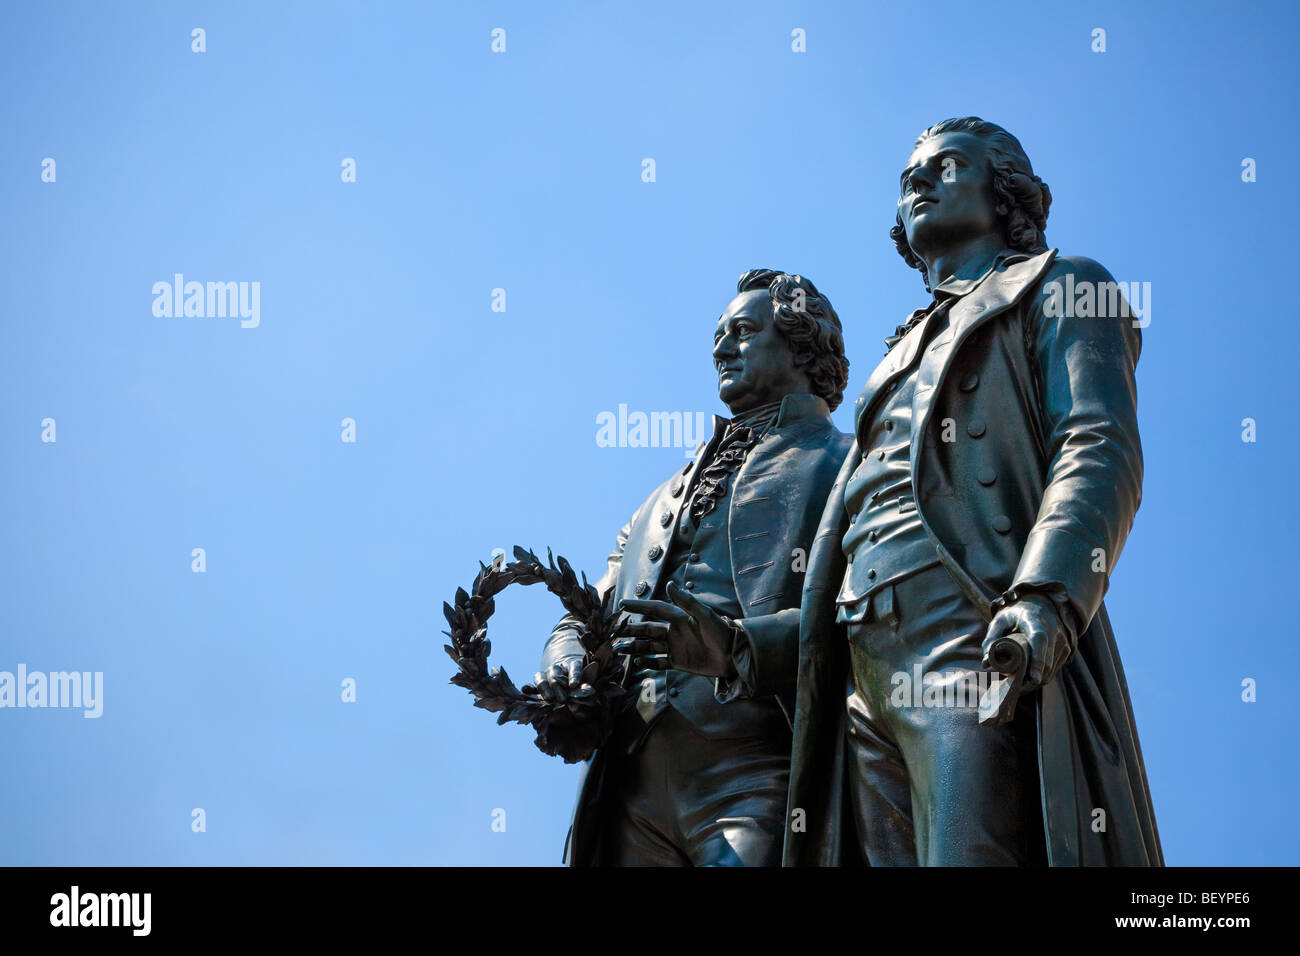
(994, 476)
(710, 569)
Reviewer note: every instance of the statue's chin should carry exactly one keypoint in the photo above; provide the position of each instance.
(731, 394)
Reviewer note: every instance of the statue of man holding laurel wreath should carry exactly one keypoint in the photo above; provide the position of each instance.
(710, 571)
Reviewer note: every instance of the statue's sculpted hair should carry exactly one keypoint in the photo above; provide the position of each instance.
(809, 323)
(1022, 199)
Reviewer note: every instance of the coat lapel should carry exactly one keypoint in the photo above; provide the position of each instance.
(993, 296)
(895, 360)
(760, 526)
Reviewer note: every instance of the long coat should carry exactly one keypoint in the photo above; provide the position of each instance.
(775, 501)
(1047, 400)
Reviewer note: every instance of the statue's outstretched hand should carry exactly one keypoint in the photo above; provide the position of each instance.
(682, 633)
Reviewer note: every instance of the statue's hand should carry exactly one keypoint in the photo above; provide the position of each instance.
(685, 634)
(1036, 617)
(556, 684)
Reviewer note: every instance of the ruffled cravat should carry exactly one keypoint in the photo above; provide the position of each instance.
(741, 435)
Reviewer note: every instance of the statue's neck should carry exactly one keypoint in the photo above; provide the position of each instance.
(969, 260)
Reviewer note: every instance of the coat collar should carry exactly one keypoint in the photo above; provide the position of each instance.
(954, 287)
(799, 407)
(796, 408)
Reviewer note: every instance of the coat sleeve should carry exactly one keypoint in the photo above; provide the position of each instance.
(1088, 401)
(766, 656)
(563, 642)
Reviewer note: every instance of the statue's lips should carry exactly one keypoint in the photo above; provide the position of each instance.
(923, 201)
(729, 371)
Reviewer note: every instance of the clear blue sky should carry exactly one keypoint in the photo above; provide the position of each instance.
(476, 430)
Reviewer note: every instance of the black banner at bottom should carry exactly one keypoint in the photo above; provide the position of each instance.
(917, 907)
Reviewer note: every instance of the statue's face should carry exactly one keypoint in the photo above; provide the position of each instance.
(754, 362)
(946, 194)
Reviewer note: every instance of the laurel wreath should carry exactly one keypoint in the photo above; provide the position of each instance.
(571, 728)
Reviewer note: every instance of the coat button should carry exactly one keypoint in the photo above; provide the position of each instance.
(969, 381)
(880, 455)
(871, 574)
(690, 585)
(695, 556)
(871, 536)
(656, 553)
(975, 429)
(666, 518)
(987, 475)
(853, 519)
(889, 425)
(673, 691)
(678, 489)
(1001, 524)
(641, 588)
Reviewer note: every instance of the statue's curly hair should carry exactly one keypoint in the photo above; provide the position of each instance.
(813, 331)
(1022, 199)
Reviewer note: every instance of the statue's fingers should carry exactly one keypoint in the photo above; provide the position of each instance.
(1034, 672)
(687, 601)
(655, 629)
(652, 662)
(1001, 625)
(1040, 647)
(545, 689)
(659, 610)
(640, 645)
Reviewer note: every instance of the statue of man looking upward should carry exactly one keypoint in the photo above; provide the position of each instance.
(994, 477)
